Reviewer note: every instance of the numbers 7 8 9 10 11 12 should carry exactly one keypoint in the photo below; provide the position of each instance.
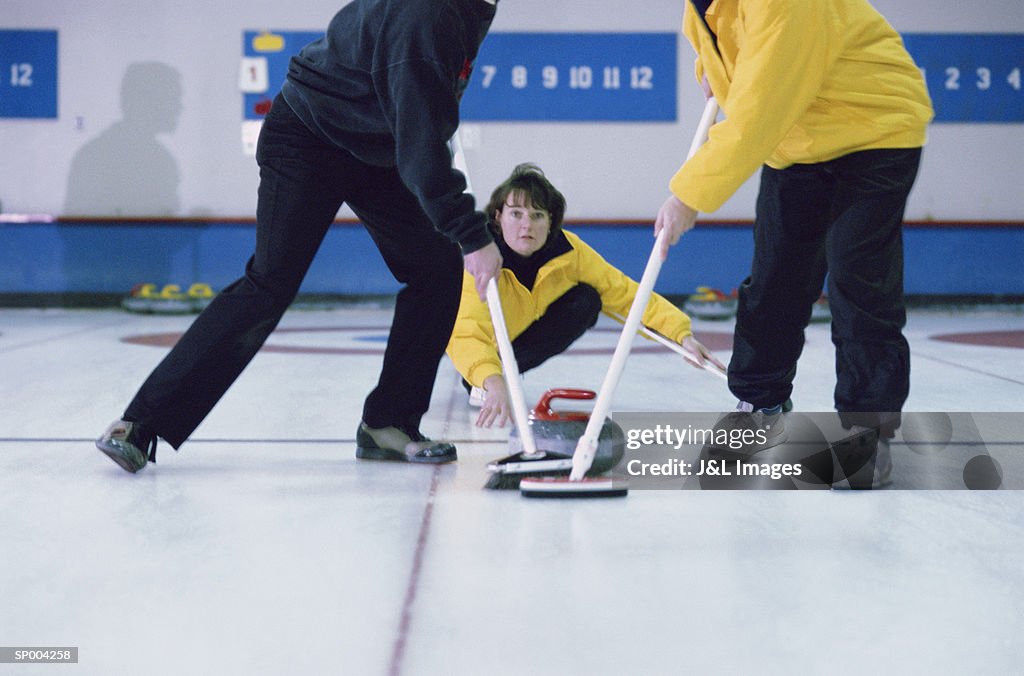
(573, 77)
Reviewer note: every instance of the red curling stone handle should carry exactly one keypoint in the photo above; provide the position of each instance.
(543, 410)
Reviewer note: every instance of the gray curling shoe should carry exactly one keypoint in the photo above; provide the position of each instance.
(396, 444)
(873, 474)
(129, 444)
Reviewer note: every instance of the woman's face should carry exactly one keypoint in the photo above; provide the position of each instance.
(524, 227)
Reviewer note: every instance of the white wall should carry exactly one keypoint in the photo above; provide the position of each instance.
(616, 171)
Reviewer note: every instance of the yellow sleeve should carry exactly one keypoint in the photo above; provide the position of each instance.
(786, 53)
(617, 292)
(472, 347)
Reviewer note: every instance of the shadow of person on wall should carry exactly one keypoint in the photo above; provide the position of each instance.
(126, 172)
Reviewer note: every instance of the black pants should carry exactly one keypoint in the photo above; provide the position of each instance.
(562, 323)
(560, 326)
(844, 218)
(303, 183)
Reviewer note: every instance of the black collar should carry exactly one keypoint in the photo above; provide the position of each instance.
(525, 268)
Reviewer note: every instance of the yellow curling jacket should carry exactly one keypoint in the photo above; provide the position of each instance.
(472, 347)
(798, 81)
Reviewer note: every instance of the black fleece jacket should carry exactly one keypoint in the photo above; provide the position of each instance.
(384, 83)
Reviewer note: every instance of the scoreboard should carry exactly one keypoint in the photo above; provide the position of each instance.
(28, 73)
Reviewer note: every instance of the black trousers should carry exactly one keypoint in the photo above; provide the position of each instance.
(842, 218)
(562, 323)
(560, 326)
(303, 183)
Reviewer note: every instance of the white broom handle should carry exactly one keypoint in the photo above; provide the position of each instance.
(676, 347)
(586, 448)
(707, 119)
(459, 160)
(511, 369)
(509, 365)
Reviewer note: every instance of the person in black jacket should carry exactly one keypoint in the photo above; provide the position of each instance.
(364, 119)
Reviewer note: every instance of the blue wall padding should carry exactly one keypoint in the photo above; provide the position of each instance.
(111, 257)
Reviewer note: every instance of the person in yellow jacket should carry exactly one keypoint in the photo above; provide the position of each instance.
(822, 96)
(552, 285)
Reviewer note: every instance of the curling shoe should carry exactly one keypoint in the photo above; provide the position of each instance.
(129, 444)
(872, 475)
(767, 423)
(399, 444)
(758, 429)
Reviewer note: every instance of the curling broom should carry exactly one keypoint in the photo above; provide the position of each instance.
(508, 472)
(583, 458)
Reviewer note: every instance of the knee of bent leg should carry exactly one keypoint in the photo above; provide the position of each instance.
(586, 303)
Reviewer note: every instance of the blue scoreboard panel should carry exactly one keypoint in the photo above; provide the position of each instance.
(972, 77)
(519, 76)
(28, 73)
(265, 56)
(577, 77)
(593, 77)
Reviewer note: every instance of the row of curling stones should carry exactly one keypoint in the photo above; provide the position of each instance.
(147, 298)
(556, 434)
(715, 304)
(711, 303)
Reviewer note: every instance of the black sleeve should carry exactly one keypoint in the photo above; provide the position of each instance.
(420, 103)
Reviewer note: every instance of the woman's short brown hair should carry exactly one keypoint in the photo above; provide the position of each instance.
(528, 180)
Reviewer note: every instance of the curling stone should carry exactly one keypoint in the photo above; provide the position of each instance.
(171, 301)
(141, 298)
(560, 431)
(710, 303)
(200, 294)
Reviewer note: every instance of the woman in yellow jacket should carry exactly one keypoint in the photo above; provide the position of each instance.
(552, 287)
(824, 98)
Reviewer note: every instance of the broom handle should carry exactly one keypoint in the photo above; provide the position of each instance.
(508, 356)
(586, 448)
(676, 347)
(511, 368)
